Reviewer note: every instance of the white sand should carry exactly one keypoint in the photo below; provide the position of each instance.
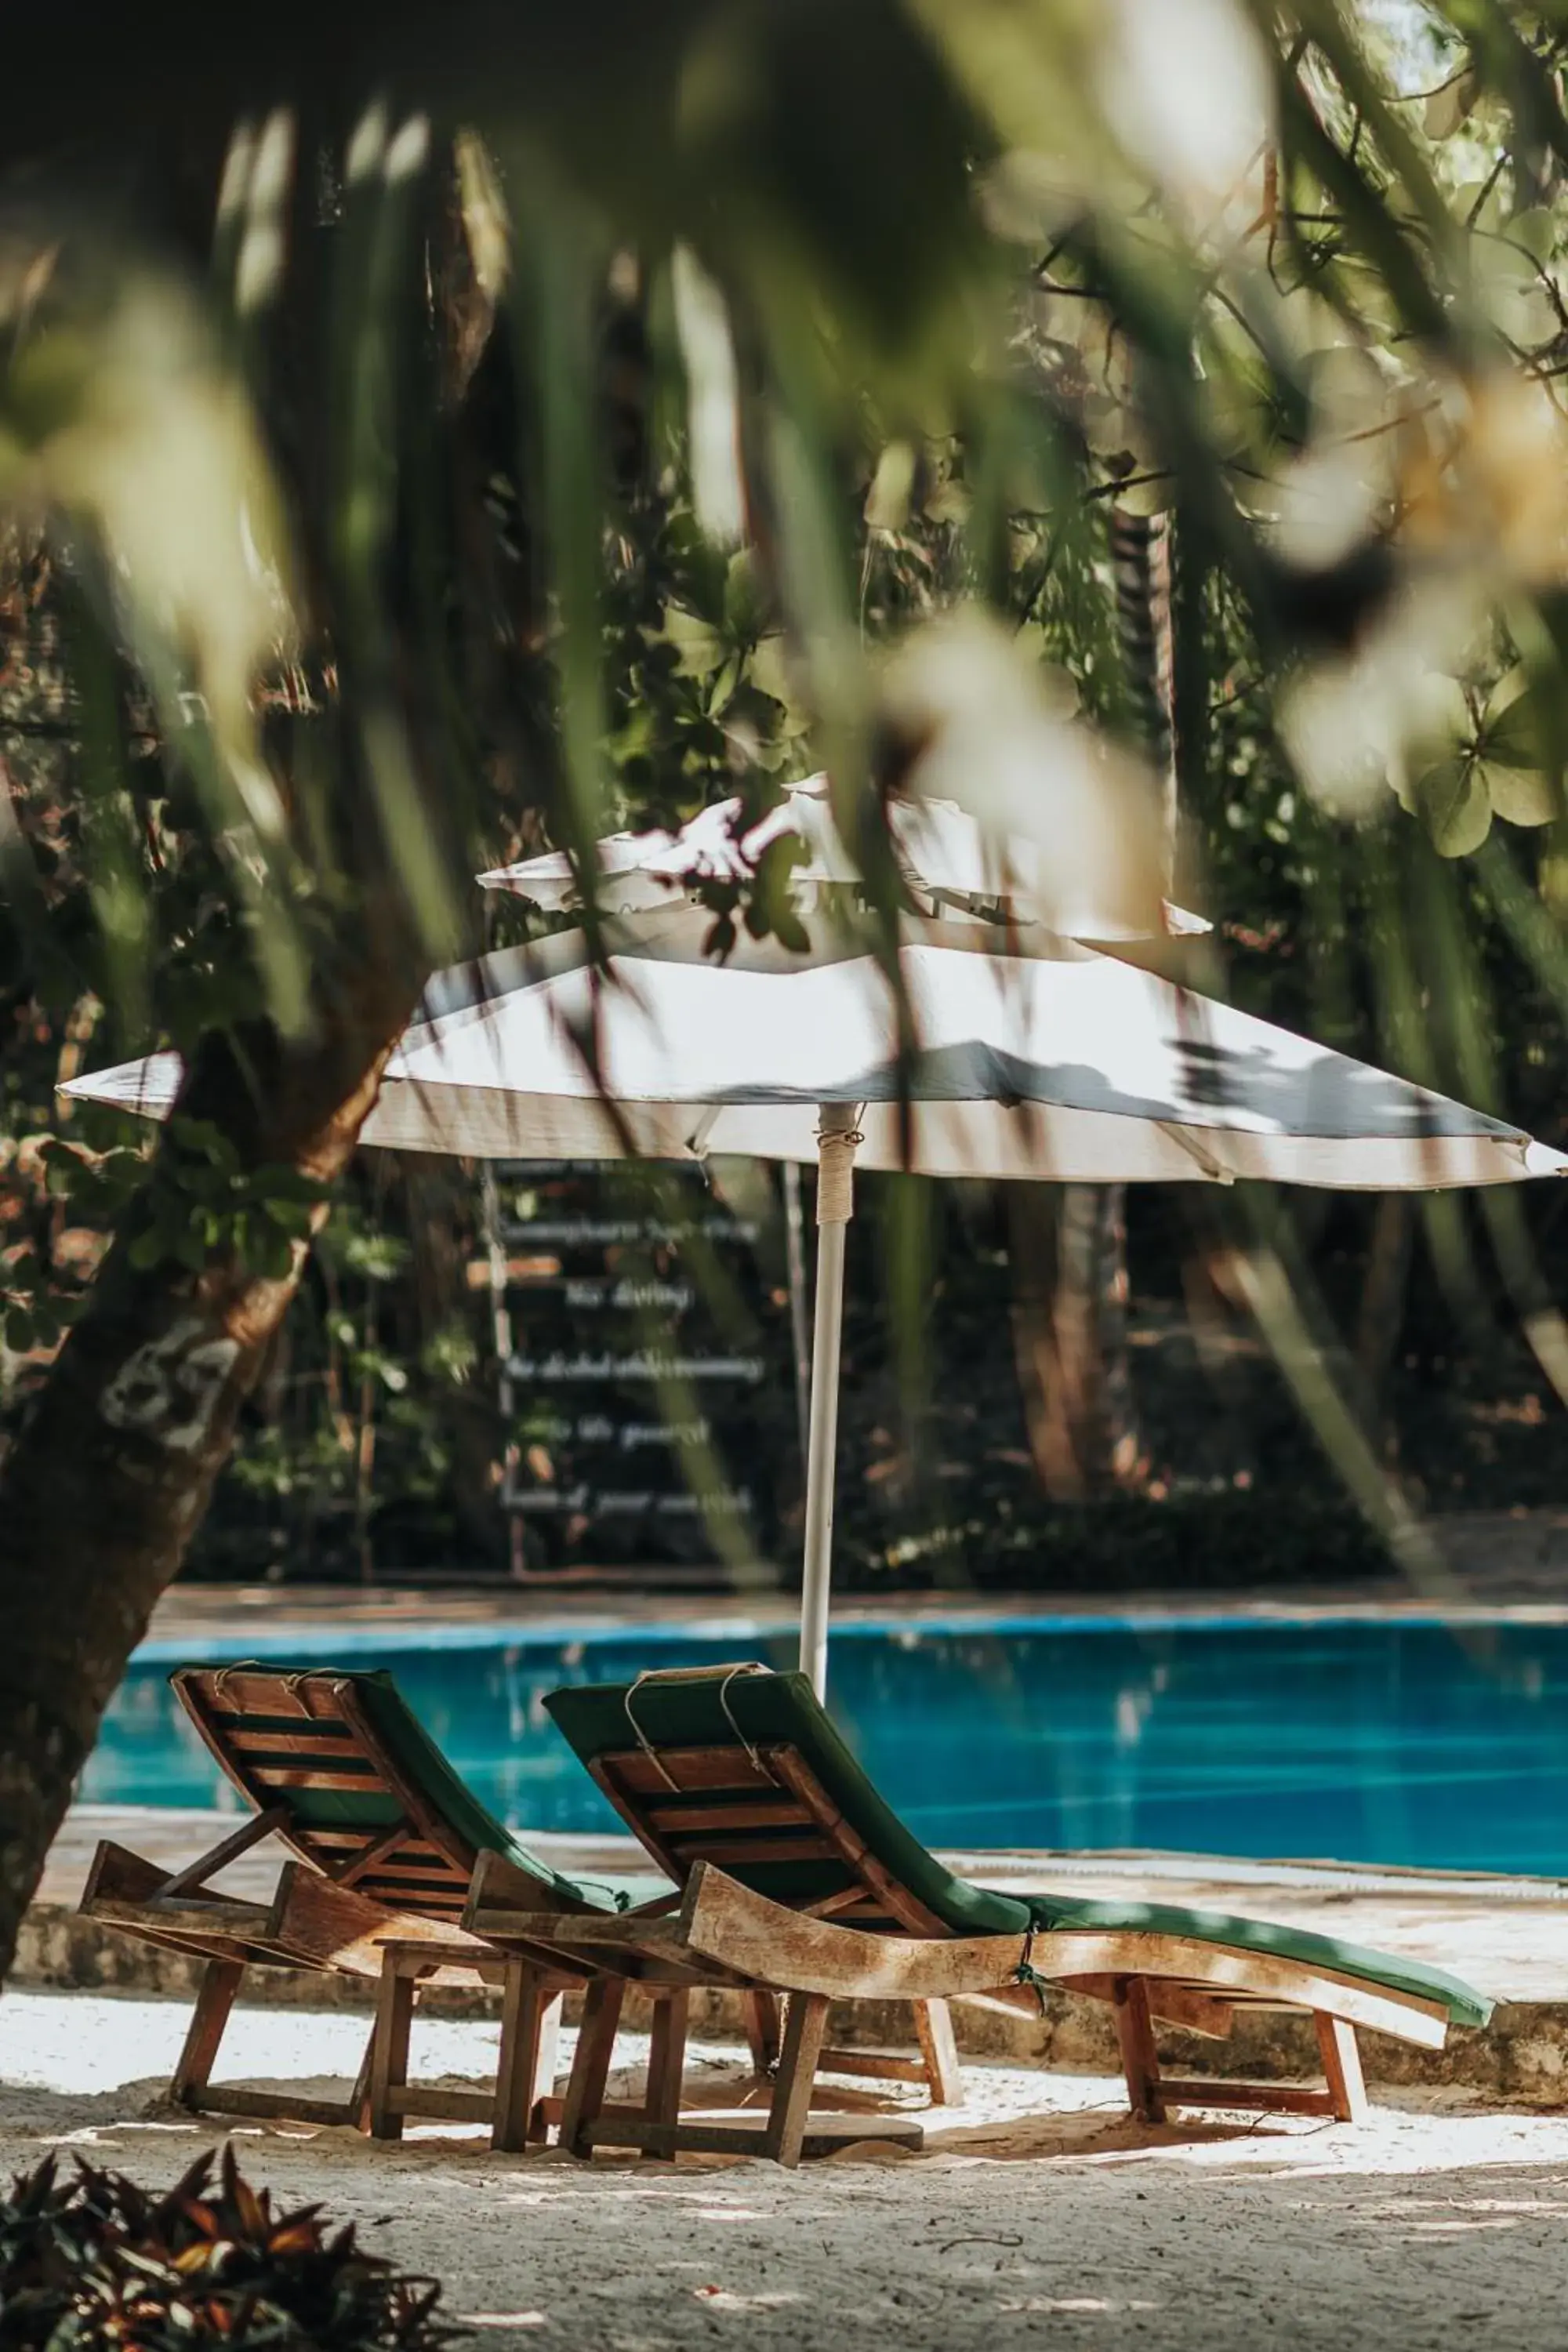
(1037, 2213)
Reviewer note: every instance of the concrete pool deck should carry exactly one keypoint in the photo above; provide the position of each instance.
(1496, 1568)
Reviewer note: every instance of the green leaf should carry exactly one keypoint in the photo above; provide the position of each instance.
(1536, 230)
(700, 648)
(121, 1169)
(744, 597)
(1449, 108)
(769, 671)
(19, 1329)
(291, 1217)
(1452, 803)
(725, 686)
(1521, 795)
(378, 1256)
(201, 1137)
(1439, 722)
(1511, 733)
(1485, 200)
(272, 1254)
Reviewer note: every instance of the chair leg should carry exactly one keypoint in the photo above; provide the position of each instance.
(1341, 2066)
(667, 2061)
(530, 2013)
(546, 2067)
(760, 2010)
(1140, 2061)
(806, 2023)
(193, 2069)
(389, 2063)
(591, 2067)
(358, 2097)
(933, 2031)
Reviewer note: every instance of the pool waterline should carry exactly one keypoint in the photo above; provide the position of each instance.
(1427, 1741)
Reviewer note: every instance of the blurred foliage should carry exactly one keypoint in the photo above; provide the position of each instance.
(96, 2261)
(495, 439)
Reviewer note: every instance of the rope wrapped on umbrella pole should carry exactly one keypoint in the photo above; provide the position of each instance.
(838, 1138)
(835, 1148)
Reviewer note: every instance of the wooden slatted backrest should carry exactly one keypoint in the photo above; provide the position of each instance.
(760, 1814)
(303, 1741)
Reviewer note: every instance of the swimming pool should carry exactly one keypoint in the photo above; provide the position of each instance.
(1406, 1742)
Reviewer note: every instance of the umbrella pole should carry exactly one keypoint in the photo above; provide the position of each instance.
(836, 1140)
(800, 1337)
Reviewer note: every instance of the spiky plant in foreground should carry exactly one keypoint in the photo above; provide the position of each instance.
(95, 2261)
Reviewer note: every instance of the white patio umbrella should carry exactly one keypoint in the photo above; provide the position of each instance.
(943, 854)
(1046, 1061)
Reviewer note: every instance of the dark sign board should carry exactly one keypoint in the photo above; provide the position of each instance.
(646, 1381)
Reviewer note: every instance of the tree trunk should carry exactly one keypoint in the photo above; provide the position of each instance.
(1088, 1401)
(1383, 1302)
(1069, 1328)
(109, 1478)
(1073, 1343)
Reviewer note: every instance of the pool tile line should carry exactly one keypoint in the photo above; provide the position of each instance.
(317, 1640)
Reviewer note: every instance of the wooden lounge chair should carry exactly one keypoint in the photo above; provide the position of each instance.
(799, 1880)
(383, 1837)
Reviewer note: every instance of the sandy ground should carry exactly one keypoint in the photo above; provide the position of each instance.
(1037, 2212)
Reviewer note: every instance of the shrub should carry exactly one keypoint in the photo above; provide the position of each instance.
(98, 2262)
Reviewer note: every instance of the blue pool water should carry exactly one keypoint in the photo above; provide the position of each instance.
(1402, 1742)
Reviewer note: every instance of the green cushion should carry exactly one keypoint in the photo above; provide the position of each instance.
(1465, 2005)
(764, 1708)
(417, 1756)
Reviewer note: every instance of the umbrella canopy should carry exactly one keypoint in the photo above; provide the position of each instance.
(941, 851)
(1043, 1061)
(998, 1054)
